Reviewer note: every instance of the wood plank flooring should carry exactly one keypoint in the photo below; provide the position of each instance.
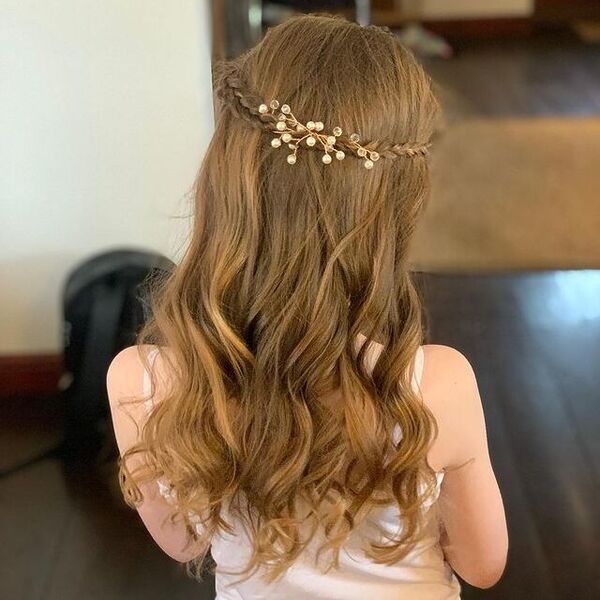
(534, 342)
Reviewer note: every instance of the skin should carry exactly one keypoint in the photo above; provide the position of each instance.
(475, 540)
(474, 536)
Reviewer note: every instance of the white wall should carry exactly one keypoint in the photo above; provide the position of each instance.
(105, 111)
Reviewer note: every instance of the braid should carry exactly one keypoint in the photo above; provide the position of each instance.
(235, 95)
(390, 149)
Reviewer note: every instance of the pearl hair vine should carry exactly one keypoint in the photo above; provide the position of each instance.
(291, 132)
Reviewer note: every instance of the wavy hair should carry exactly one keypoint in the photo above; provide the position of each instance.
(287, 267)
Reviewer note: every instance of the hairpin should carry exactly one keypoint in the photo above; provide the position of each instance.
(291, 132)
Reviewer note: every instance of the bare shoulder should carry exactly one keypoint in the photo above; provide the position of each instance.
(450, 390)
(448, 360)
(125, 387)
(447, 370)
(125, 372)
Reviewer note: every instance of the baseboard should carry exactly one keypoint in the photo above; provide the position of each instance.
(29, 374)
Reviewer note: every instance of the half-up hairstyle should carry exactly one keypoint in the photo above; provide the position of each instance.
(288, 267)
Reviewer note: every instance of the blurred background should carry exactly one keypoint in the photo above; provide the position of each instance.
(105, 112)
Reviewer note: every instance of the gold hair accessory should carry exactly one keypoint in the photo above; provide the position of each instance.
(291, 132)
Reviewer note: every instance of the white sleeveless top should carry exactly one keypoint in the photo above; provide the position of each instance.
(421, 575)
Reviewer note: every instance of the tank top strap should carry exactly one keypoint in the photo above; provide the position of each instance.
(419, 364)
(146, 384)
(418, 369)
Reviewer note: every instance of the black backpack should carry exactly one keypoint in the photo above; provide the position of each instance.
(105, 303)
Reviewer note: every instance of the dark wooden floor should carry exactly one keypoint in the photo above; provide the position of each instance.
(534, 341)
(67, 536)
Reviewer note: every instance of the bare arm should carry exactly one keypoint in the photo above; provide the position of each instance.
(471, 509)
(124, 381)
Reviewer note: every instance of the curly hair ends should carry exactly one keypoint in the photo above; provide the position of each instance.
(289, 266)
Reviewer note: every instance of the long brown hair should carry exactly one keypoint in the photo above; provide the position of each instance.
(287, 265)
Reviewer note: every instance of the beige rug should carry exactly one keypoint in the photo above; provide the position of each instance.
(513, 194)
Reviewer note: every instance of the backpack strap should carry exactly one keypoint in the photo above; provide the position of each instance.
(419, 363)
(86, 400)
(105, 316)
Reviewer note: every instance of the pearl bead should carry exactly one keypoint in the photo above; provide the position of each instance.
(326, 158)
(340, 155)
(291, 159)
(337, 131)
(368, 164)
(310, 125)
(280, 125)
(319, 126)
(286, 137)
(276, 142)
(299, 128)
(354, 138)
(374, 156)
(331, 140)
(263, 108)
(274, 104)
(361, 152)
(285, 109)
(311, 141)
(281, 117)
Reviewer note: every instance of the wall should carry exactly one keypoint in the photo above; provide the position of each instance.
(105, 111)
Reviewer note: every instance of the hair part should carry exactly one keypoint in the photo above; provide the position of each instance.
(286, 267)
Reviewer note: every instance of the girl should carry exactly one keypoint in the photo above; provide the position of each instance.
(280, 409)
